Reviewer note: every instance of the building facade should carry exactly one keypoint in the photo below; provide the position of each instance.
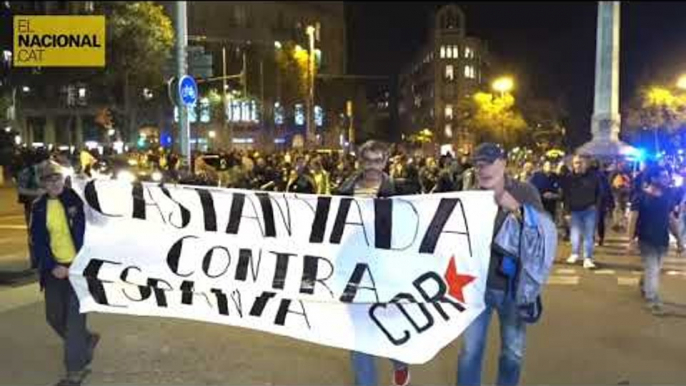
(256, 35)
(451, 66)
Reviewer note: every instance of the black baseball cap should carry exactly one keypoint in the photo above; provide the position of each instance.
(488, 152)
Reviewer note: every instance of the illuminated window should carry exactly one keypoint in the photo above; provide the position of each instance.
(468, 53)
(449, 130)
(455, 53)
(204, 110)
(449, 53)
(318, 116)
(299, 114)
(469, 72)
(442, 52)
(448, 111)
(449, 73)
(278, 114)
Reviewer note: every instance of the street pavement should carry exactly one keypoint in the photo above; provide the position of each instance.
(13, 242)
(594, 331)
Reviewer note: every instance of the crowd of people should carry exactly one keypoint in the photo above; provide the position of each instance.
(581, 197)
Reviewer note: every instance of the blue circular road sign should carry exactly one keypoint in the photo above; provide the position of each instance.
(188, 90)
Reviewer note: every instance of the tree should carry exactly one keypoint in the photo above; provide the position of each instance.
(659, 110)
(293, 80)
(545, 121)
(492, 118)
(140, 38)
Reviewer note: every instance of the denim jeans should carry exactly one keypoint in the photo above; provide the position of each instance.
(364, 366)
(583, 225)
(512, 341)
(652, 264)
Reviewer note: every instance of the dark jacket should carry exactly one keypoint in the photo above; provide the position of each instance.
(582, 191)
(40, 237)
(347, 188)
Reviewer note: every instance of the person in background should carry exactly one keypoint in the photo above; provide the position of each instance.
(372, 182)
(29, 189)
(607, 202)
(321, 177)
(301, 180)
(548, 185)
(649, 222)
(583, 194)
(57, 230)
(527, 172)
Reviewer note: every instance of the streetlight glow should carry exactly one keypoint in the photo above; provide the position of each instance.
(212, 134)
(503, 84)
(277, 45)
(681, 83)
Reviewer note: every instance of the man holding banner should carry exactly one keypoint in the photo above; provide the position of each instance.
(372, 182)
(489, 162)
(57, 229)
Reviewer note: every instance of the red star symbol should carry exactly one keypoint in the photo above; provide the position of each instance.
(456, 282)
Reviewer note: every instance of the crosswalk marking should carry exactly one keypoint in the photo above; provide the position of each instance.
(566, 271)
(563, 280)
(15, 227)
(13, 298)
(604, 272)
(628, 281)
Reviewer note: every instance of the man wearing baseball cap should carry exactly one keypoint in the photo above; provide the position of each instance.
(489, 161)
(57, 230)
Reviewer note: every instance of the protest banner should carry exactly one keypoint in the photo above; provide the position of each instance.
(399, 277)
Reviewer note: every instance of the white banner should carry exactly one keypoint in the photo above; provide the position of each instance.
(398, 278)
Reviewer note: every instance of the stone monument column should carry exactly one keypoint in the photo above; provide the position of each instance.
(606, 120)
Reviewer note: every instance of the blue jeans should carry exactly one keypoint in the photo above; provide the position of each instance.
(652, 264)
(512, 340)
(364, 366)
(583, 224)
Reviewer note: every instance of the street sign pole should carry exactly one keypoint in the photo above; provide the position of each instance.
(181, 67)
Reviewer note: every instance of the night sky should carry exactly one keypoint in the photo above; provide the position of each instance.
(548, 48)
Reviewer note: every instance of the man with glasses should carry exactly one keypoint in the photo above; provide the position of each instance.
(489, 161)
(372, 182)
(57, 230)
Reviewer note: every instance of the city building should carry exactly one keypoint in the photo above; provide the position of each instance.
(263, 108)
(449, 67)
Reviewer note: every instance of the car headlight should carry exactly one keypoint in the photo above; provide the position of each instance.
(156, 176)
(126, 176)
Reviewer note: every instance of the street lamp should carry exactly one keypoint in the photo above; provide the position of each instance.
(681, 83)
(503, 85)
(310, 100)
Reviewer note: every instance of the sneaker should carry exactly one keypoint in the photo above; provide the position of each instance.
(572, 259)
(74, 378)
(589, 264)
(656, 308)
(401, 377)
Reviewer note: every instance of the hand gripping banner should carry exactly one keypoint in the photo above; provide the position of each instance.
(398, 278)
